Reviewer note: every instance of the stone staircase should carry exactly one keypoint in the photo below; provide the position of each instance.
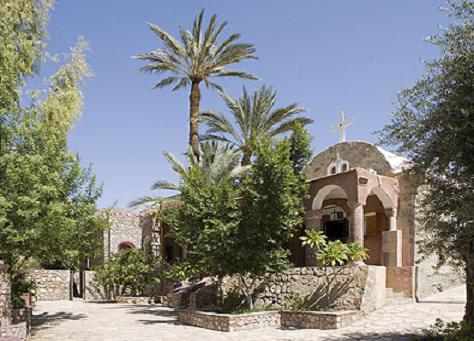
(396, 298)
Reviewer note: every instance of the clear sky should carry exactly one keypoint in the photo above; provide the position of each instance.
(325, 55)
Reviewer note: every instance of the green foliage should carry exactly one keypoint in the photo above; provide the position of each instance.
(21, 284)
(198, 56)
(297, 302)
(128, 271)
(22, 36)
(256, 119)
(47, 200)
(433, 125)
(452, 331)
(300, 147)
(218, 164)
(238, 227)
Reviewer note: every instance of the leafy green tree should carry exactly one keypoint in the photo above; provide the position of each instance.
(255, 118)
(271, 210)
(238, 229)
(199, 57)
(47, 200)
(434, 125)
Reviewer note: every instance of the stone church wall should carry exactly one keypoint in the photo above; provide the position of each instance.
(52, 285)
(357, 153)
(124, 228)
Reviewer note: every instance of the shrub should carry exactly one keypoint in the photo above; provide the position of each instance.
(451, 331)
(126, 272)
(296, 302)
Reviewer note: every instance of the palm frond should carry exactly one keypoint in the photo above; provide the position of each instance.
(165, 185)
(145, 202)
(288, 126)
(168, 40)
(177, 166)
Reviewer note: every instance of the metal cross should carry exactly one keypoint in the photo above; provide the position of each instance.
(341, 126)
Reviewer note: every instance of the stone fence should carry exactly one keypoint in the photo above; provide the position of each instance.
(12, 325)
(52, 285)
(355, 288)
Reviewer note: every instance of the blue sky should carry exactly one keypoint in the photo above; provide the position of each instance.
(325, 55)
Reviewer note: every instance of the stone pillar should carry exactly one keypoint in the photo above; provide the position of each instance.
(312, 221)
(356, 228)
(392, 215)
(392, 248)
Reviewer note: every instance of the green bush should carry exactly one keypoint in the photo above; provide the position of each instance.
(451, 331)
(296, 302)
(126, 272)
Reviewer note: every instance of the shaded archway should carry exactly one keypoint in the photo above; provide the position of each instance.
(331, 204)
(376, 222)
(126, 246)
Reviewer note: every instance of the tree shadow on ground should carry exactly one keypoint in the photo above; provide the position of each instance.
(361, 336)
(154, 311)
(45, 320)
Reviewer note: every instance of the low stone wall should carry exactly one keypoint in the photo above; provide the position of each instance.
(306, 281)
(134, 300)
(5, 296)
(227, 322)
(17, 330)
(20, 315)
(318, 319)
(52, 285)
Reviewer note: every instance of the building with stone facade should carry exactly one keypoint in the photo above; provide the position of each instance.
(358, 192)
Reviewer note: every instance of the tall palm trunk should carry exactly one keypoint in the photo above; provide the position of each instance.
(469, 258)
(194, 99)
(247, 157)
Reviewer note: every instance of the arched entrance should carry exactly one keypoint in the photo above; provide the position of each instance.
(376, 221)
(331, 205)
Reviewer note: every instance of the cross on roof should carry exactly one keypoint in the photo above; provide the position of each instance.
(341, 126)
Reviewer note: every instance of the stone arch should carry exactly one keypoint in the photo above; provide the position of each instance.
(383, 196)
(331, 191)
(126, 245)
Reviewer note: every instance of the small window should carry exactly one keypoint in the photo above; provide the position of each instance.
(333, 170)
(345, 167)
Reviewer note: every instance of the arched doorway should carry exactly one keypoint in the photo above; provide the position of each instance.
(331, 204)
(376, 222)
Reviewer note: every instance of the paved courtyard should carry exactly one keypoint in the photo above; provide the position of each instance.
(81, 321)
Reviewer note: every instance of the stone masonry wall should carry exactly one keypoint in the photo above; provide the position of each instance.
(5, 300)
(357, 153)
(305, 280)
(52, 285)
(124, 227)
(229, 323)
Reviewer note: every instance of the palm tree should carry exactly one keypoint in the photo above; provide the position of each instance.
(219, 164)
(255, 119)
(199, 57)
